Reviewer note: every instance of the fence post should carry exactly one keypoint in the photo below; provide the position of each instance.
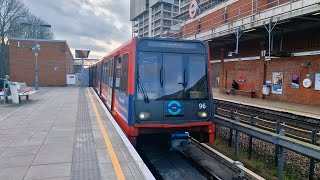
(281, 157)
(312, 162)
(231, 130)
(215, 110)
(236, 148)
(281, 163)
(278, 128)
(250, 138)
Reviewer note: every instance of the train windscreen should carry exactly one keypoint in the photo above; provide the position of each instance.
(171, 76)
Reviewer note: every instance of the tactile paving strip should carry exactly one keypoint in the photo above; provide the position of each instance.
(85, 164)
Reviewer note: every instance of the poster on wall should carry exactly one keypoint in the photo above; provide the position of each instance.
(317, 83)
(295, 81)
(277, 82)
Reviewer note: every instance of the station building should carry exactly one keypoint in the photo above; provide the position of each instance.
(261, 43)
(55, 61)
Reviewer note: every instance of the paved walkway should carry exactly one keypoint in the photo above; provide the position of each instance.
(299, 109)
(55, 136)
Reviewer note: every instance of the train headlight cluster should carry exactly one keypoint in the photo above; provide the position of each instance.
(202, 114)
(144, 115)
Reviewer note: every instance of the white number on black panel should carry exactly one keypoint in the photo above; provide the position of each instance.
(202, 106)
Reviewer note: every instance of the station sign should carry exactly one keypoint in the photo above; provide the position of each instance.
(242, 80)
(193, 8)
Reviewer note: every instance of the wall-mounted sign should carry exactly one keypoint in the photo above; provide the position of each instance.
(277, 82)
(295, 84)
(307, 83)
(242, 80)
(317, 82)
(193, 8)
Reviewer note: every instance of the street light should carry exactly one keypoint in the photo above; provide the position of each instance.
(36, 48)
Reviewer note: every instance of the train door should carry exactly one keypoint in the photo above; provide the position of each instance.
(110, 70)
(112, 83)
(100, 78)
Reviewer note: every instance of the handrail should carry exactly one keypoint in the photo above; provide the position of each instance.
(287, 142)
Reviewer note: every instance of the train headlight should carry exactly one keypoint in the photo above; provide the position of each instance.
(144, 115)
(202, 114)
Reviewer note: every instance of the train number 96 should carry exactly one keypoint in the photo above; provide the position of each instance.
(202, 106)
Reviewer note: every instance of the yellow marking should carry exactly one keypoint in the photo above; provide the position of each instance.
(112, 154)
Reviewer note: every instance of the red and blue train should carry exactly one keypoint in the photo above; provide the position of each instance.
(157, 86)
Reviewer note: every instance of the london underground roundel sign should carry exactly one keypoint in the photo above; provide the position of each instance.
(242, 80)
(193, 8)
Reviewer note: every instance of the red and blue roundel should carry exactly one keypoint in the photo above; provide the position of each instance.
(174, 108)
(193, 9)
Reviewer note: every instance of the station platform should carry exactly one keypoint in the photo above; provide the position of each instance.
(298, 109)
(65, 133)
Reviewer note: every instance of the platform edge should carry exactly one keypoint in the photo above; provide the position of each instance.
(144, 169)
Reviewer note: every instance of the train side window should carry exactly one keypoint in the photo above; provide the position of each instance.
(118, 72)
(111, 73)
(124, 74)
(103, 72)
(107, 73)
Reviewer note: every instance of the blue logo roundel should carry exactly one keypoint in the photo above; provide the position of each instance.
(174, 107)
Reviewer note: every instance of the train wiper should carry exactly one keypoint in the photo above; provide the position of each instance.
(143, 91)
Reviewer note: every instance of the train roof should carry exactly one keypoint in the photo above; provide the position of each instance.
(145, 38)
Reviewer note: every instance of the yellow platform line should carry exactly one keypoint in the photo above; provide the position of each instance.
(115, 162)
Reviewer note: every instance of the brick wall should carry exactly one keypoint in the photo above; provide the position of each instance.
(232, 12)
(257, 72)
(54, 61)
(293, 65)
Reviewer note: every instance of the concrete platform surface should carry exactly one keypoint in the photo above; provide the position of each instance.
(56, 135)
(299, 109)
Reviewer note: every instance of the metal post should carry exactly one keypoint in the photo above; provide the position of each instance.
(215, 110)
(250, 139)
(36, 49)
(312, 161)
(270, 29)
(281, 163)
(281, 157)
(36, 84)
(236, 148)
(278, 128)
(231, 130)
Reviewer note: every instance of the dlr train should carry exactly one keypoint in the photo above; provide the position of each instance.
(154, 86)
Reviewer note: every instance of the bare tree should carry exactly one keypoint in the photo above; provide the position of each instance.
(19, 31)
(10, 11)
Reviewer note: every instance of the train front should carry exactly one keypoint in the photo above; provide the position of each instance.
(172, 88)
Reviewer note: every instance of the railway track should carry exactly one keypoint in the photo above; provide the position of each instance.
(296, 126)
(193, 160)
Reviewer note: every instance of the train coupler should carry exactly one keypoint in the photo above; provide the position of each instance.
(179, 140)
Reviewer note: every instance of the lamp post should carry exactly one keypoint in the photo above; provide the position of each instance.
(36, 49)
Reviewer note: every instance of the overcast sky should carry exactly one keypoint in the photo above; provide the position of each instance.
(97, 25)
